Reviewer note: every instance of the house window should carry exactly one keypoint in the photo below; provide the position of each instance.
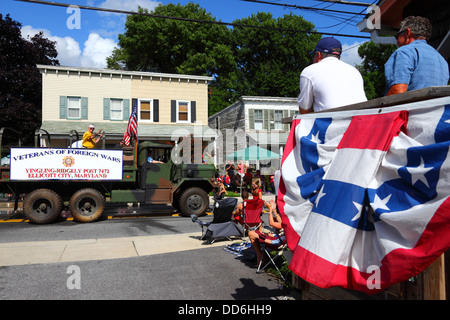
(145, 110)
(116, 110)
(183, 114)
(259, 119)
(278, 116)
(73, 108)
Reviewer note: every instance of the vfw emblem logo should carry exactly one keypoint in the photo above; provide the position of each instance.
(68, 161)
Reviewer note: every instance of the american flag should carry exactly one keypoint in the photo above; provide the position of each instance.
(132, 126)
(365, 195)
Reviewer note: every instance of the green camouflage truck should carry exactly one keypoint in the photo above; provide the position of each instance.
(84, 180)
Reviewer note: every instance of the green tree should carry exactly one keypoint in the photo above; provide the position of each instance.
(242, 60)
(176, 46)
(270, 61)
(372, 68)
(20, 79)
(170, 46)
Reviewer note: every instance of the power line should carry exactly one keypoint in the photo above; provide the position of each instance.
(304, 8)
(362, 4)
(186, 19)
(318, 10)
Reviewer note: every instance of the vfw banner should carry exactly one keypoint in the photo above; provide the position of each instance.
(65, 164)
(364, 195)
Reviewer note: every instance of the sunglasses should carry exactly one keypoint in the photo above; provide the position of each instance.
(399, 33)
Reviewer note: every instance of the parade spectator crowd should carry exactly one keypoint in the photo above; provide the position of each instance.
(243, 176)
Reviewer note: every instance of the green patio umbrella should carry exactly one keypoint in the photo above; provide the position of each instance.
(253, 153)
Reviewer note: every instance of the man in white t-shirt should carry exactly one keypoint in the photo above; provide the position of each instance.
(329, 83)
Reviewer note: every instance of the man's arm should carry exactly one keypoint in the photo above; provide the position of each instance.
(306, 98)
(397, 88)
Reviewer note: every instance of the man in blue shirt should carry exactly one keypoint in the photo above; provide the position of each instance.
(150, 159)
(415, 64)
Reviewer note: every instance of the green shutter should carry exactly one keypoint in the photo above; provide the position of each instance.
(84, 108)
(126, 108)
(251, 119)
(266, 119)
(285, 115)
(106, 108)
(272, 119)
(62, 107)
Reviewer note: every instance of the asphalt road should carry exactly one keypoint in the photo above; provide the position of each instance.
(205, 274)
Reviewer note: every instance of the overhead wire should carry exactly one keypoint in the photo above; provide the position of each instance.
(300, 7)
(322, 11)
(52, 3)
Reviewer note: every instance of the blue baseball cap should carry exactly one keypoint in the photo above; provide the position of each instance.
(327, 45)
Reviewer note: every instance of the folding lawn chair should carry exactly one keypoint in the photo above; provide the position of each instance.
(283, 253)
(252, 212)
(222, 225)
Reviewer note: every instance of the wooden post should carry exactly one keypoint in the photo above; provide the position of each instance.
(434, 280)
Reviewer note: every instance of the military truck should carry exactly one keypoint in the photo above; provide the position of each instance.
(80, 180)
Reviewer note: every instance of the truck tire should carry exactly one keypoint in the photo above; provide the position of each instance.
(42, 206)
(86, 205)
(193, 201)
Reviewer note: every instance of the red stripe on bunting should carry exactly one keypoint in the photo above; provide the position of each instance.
(362, 130)
(291, 236)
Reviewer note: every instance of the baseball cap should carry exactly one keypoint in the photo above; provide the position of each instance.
(91, 126)
(327, 44)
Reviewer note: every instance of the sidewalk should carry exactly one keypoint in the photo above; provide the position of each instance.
(23, 253)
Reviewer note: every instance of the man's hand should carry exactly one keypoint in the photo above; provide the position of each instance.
(303, 111)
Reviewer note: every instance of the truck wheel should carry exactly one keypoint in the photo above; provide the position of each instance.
(86, 205)
(194, 201)
(42, 206)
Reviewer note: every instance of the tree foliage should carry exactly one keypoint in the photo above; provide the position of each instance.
(20, 80)
(372, 68)
(242, 60)
(270, 61)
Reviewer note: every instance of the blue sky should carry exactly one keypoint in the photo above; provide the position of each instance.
(86, 40)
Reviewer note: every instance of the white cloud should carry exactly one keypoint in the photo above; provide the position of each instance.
(350, 53)
(96, 49)
(129, 5)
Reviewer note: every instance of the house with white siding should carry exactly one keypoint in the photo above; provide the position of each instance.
(169, 106)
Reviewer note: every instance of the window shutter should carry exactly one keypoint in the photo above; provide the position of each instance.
(155, 110)
(173, 112)
(271, 119)
(251, 119)
(106, 109)
(62, 107)
(126, 108)
(285, 115)
(266, 119)
(84, 108)
(193, 111)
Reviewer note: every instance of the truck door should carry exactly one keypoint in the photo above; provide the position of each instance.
(157, 182)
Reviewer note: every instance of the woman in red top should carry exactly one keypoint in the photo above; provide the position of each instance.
(256, 188)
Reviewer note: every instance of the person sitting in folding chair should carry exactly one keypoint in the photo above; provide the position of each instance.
(220, 191)
(274, 239)
(237, 214)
